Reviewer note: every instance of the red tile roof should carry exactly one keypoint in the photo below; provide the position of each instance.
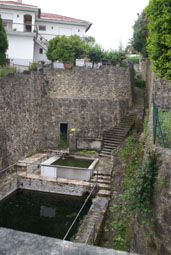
(60, 17)
(16, 3)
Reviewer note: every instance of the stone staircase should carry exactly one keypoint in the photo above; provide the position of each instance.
(113, 137)
(104, 184)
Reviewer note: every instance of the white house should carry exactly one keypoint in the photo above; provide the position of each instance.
(29, 30)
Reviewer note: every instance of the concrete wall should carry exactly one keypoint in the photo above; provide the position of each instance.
(63, 186)
(53, 29)
(15, 240)
(20, 49)
(33, 106)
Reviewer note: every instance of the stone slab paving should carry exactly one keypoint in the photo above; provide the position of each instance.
(20, 243)
(105, 166)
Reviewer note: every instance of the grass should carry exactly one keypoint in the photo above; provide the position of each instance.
(5, 70)
(87, 152)
(63, 140)
(165, 121)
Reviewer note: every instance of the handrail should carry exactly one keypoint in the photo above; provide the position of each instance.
(79, 212)
(156, 122)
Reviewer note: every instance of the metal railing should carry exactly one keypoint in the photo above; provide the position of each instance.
(161, 126)
(85, 202)
(42, 41)
(20, 27)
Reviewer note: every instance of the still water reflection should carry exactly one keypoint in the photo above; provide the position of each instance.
(41, 213)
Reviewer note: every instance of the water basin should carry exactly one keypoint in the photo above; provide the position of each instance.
(75, 168)
(41, 213)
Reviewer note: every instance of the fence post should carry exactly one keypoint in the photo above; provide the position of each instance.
(155, 116)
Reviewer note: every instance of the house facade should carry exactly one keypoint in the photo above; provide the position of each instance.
(29, 30)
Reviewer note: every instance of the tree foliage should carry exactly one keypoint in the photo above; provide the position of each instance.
(115, 56)
(96, 52)
(159, 39)
(3, 43)
(140, 33)
(67, 49)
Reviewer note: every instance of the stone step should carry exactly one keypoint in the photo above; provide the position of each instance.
(106, 149)
(107, 153)
(103, 193)
(113, 133)
(101, 181)
(116, 133)
(102, 174)
(111, 141)
(104, 186)
(112, 138)
(103, 177)
(104, 155)
(110, 148)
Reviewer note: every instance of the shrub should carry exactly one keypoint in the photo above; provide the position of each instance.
(34, 66)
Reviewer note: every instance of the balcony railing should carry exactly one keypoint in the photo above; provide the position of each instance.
(19, 27)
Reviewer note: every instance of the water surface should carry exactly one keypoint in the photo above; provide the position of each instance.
(74, 162)
(41, 213)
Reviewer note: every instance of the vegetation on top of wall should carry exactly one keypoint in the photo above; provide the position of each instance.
(33, 66)
(5, 70)
(159, 47)
(67, 49)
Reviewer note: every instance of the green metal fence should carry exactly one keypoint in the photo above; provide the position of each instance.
(161, 126)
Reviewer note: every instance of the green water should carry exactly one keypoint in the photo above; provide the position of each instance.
(74, 162)
(41, 213)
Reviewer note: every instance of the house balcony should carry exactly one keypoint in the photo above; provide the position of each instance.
(19, 28)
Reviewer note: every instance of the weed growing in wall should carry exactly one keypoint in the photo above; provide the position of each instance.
(138, 191)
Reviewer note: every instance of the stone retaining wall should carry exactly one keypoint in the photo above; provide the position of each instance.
(160, 87)
(32, 107)
(157, 243)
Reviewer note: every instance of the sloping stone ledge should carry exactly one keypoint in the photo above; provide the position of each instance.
(19, 243)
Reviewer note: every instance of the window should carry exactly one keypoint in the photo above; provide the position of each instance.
(40, 51)
(7, 24)
(42, 28)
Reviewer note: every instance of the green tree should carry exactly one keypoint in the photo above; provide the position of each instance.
(3, 43)
(90, 40)
(96, 53)
(140, 33)
(115, 56)
(159, 39)
(66, 49)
